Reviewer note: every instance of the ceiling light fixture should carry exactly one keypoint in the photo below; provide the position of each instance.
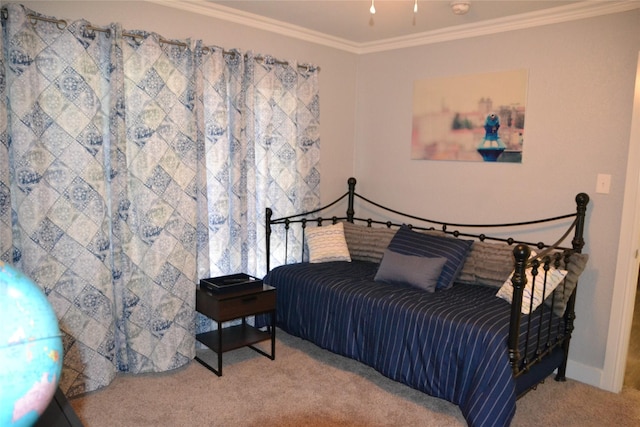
(460, 7)
(372, 9)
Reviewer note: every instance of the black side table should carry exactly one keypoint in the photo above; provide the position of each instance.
(231, 305)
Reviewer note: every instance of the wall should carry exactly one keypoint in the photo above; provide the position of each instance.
(580, 95)
(337, 75)
(578, 120)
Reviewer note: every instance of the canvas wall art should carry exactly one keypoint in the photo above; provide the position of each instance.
(477, 118)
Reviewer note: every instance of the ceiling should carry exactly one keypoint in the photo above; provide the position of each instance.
(348, 24)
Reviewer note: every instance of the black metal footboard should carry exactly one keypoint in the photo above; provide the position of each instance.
(544, 345)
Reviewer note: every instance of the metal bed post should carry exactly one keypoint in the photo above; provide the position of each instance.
(582, 200)
(518, 280)
(267, 224)
(352, 191)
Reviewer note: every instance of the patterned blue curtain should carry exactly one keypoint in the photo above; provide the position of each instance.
(158, 206)
(130, 167)
(263, 150)
(283, 105)
(6, 229)
(103, 183)
(58, 107)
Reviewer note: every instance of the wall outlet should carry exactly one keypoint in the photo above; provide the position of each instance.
(603, 183)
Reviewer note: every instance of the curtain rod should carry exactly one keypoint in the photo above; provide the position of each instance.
(134, 36)
(62, 24)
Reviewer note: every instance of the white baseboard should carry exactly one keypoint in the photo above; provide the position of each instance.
(585, 374)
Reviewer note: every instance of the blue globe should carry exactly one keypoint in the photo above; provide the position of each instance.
(30, 349)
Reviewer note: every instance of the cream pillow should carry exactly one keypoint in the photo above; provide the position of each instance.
(554, 277)
(327, 243)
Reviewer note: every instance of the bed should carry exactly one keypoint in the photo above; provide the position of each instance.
(462, 312)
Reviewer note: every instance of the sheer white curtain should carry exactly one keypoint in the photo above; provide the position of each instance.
(130, 167)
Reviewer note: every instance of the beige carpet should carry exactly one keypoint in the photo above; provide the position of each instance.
(307, 386)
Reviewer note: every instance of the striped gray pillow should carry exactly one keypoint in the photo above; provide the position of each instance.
(409, 242)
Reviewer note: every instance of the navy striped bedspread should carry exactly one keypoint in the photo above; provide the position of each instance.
(451, 344)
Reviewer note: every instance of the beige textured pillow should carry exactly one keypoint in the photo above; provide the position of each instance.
(488, 264)
(367, 243)
(327, 243)
(575, 266)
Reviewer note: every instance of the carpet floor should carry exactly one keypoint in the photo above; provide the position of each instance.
(308, 386)
(632, 371)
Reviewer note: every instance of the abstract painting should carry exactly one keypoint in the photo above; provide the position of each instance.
(477, 117)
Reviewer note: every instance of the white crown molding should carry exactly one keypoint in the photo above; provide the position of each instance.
(260, 22)
(554, 15)
(575, 11)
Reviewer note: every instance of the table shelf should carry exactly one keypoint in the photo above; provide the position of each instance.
(233, 337)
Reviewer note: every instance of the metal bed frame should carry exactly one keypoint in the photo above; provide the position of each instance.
(550, 254)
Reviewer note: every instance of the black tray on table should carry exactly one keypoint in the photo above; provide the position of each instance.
(231, 283)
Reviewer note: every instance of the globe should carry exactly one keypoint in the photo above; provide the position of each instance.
(30, 349)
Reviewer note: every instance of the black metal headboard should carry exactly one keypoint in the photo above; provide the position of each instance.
(577, 225)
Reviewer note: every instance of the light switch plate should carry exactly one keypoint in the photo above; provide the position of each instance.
(603, 183)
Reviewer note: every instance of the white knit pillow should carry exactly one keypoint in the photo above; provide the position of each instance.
(327, 243)
(554, 277)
